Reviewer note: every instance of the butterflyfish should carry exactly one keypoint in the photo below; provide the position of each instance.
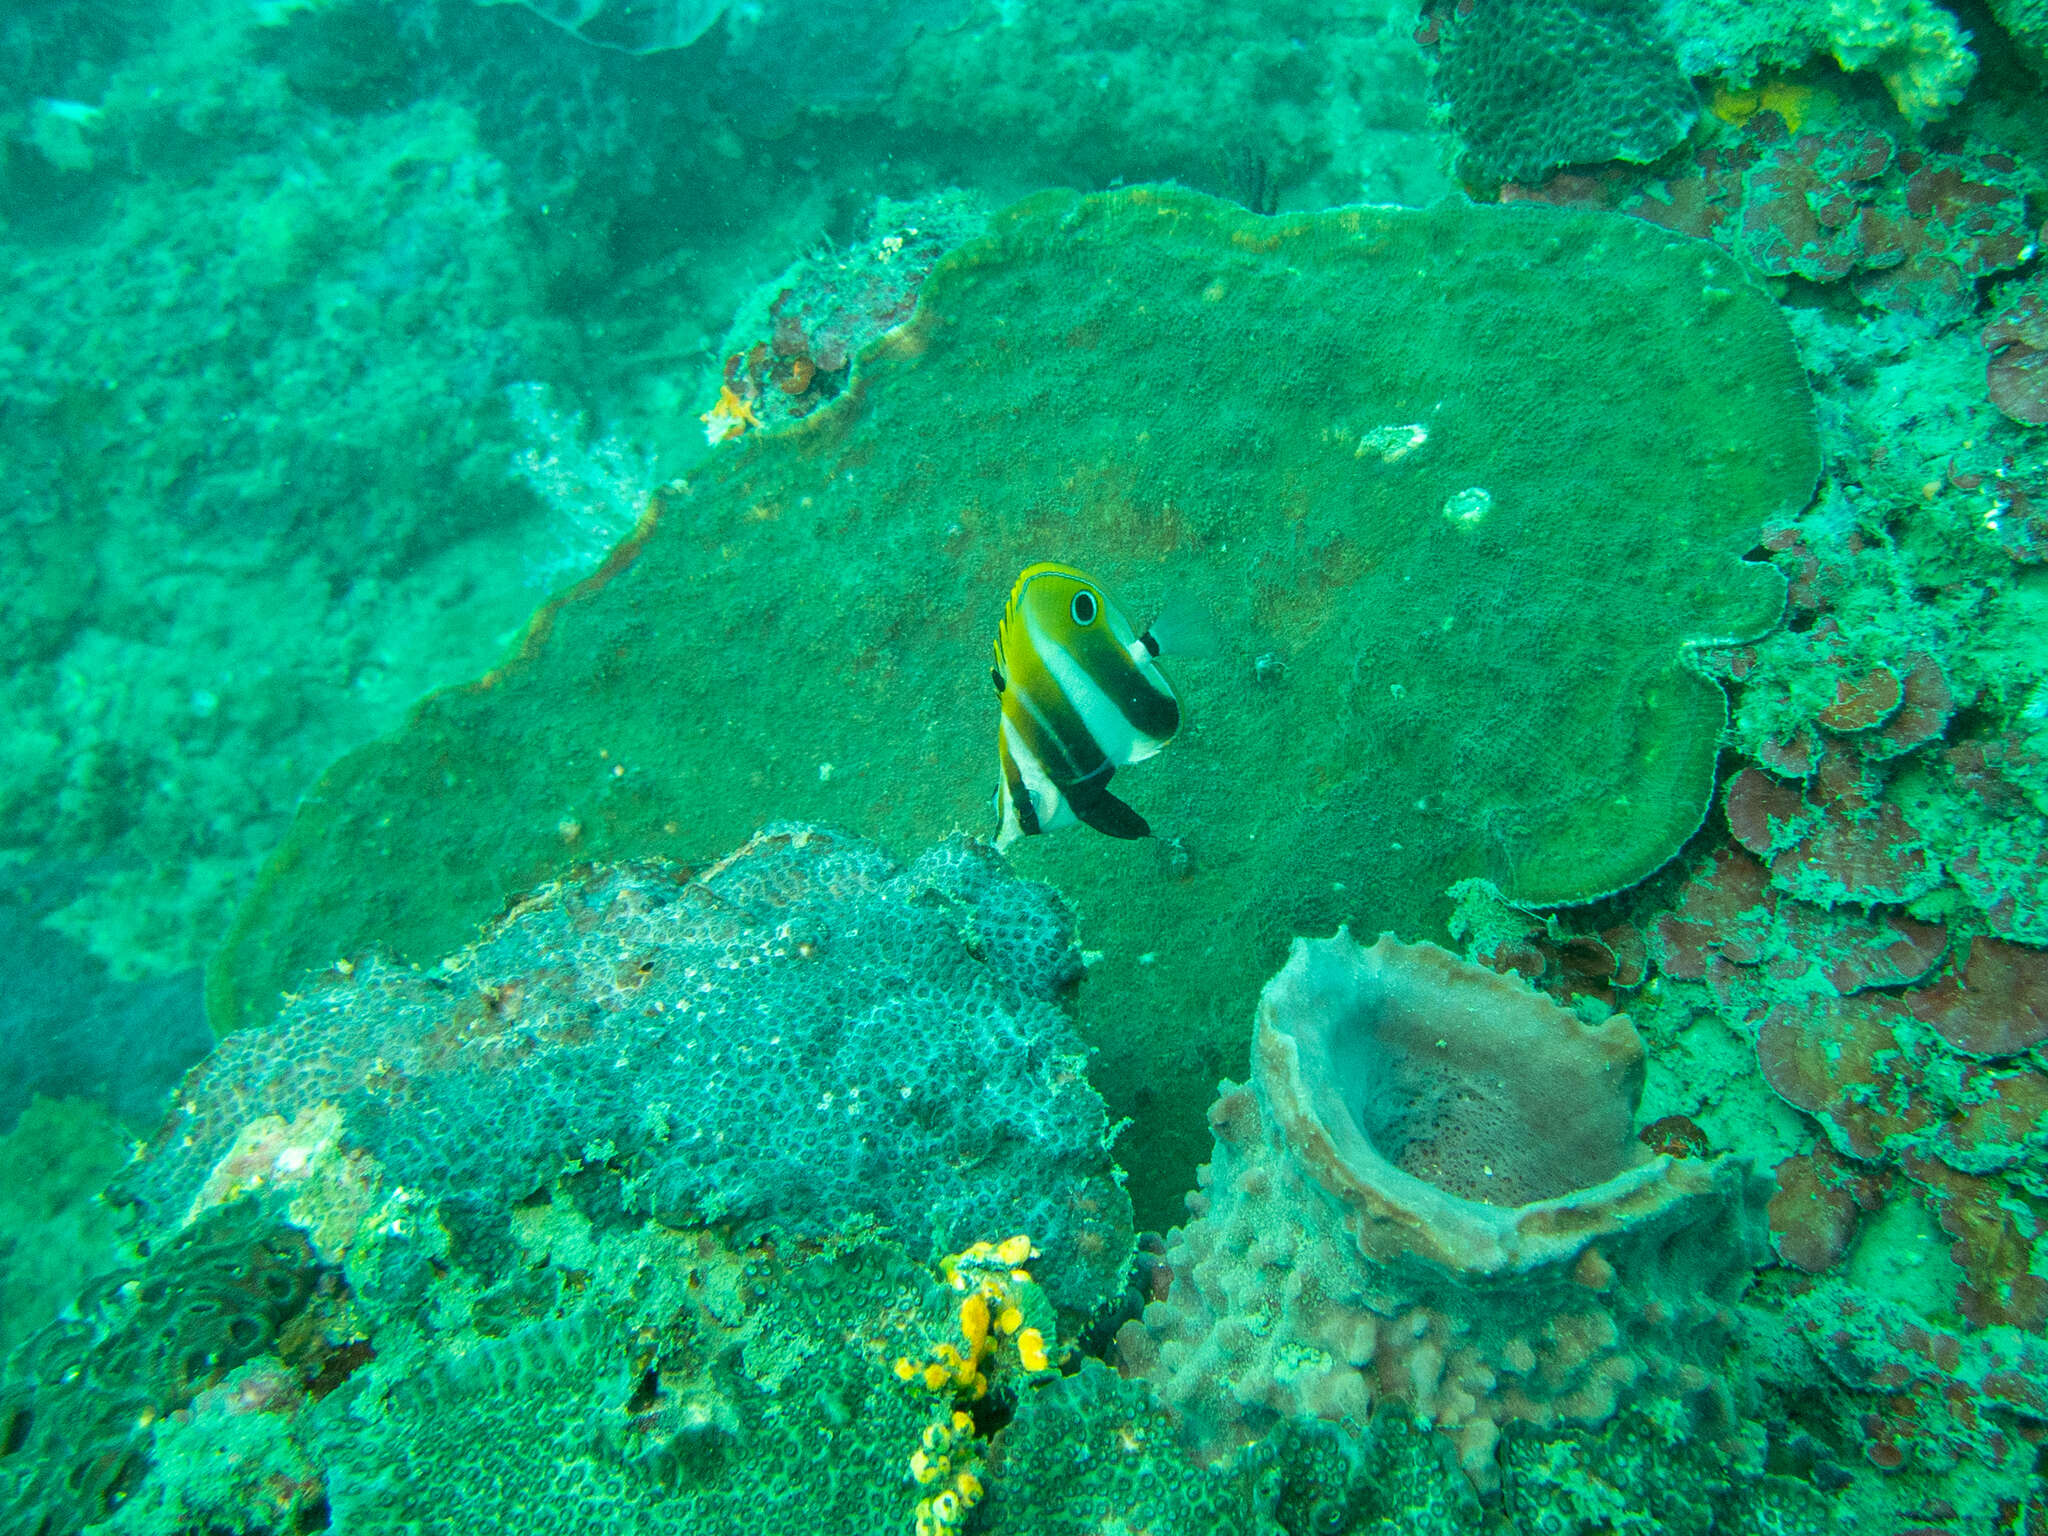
(1082, 696)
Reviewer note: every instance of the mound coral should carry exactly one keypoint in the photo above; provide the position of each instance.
(1186, 396)
(804, 1036)
(1529, 85)
(776, 1414)
(1432, 1192)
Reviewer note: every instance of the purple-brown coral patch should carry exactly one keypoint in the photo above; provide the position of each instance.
(1994, 1244)
(1723, 912)
(1869, 856)
(1888, 949)
(1805, 201)
(1864, 701)
(1841, 1062)
(1766, 815)
(2002, 1119)
(2016, 375)
(1820, 1199)
(1996, 1003)
(1925, 704)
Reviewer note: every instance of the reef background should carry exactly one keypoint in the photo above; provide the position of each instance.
(342, 336)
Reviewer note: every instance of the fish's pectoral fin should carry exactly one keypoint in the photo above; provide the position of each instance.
(1105, 813)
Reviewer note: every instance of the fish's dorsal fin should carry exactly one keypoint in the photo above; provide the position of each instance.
(1105, 813)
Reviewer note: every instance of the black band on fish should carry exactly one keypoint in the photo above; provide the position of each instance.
(1080, 698)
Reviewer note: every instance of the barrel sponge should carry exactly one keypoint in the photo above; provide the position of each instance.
(802, 1036)
(1431, 1193)
(1529, 85)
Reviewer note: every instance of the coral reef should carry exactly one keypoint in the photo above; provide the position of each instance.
(800, 1038)
(2016, 374)
(1945, 1396)
(2026, 21)
(81, 1397)
(1917, 48)
(1530, 85)
(343, 331)
(791, 347)
(1910, 229)
(1432, 1193)
(257, 248)
(1037, 404)
(771, 1401)
(1314, 102)
(238, 499)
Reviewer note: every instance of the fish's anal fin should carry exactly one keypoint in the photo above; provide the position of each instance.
(1105, 813)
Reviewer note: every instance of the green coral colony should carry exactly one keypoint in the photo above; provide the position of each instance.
(1601, 849)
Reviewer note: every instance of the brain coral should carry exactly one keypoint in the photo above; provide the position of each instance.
(82, 1396)
(805, 1035)
(1431, 1193)
(1529, 85)
(1461, 487)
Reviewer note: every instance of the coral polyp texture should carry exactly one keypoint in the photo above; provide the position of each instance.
(1476, 481)
(82, 1397)
(803, 1037)
(1432, 1193)
(1530, 85)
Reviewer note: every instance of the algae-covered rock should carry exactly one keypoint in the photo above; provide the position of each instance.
(1460, 488)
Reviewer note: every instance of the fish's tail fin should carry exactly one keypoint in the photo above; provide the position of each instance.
(1184, 627)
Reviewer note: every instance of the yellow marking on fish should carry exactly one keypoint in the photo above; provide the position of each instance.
(1081, 696)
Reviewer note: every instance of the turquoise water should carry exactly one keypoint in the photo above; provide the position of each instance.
(472, 468)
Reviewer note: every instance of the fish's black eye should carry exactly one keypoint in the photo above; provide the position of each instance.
(1084, 608)
(996, 677)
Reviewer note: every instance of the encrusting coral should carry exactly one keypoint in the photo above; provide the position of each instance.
(802, 1036)
(1432, 1192)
